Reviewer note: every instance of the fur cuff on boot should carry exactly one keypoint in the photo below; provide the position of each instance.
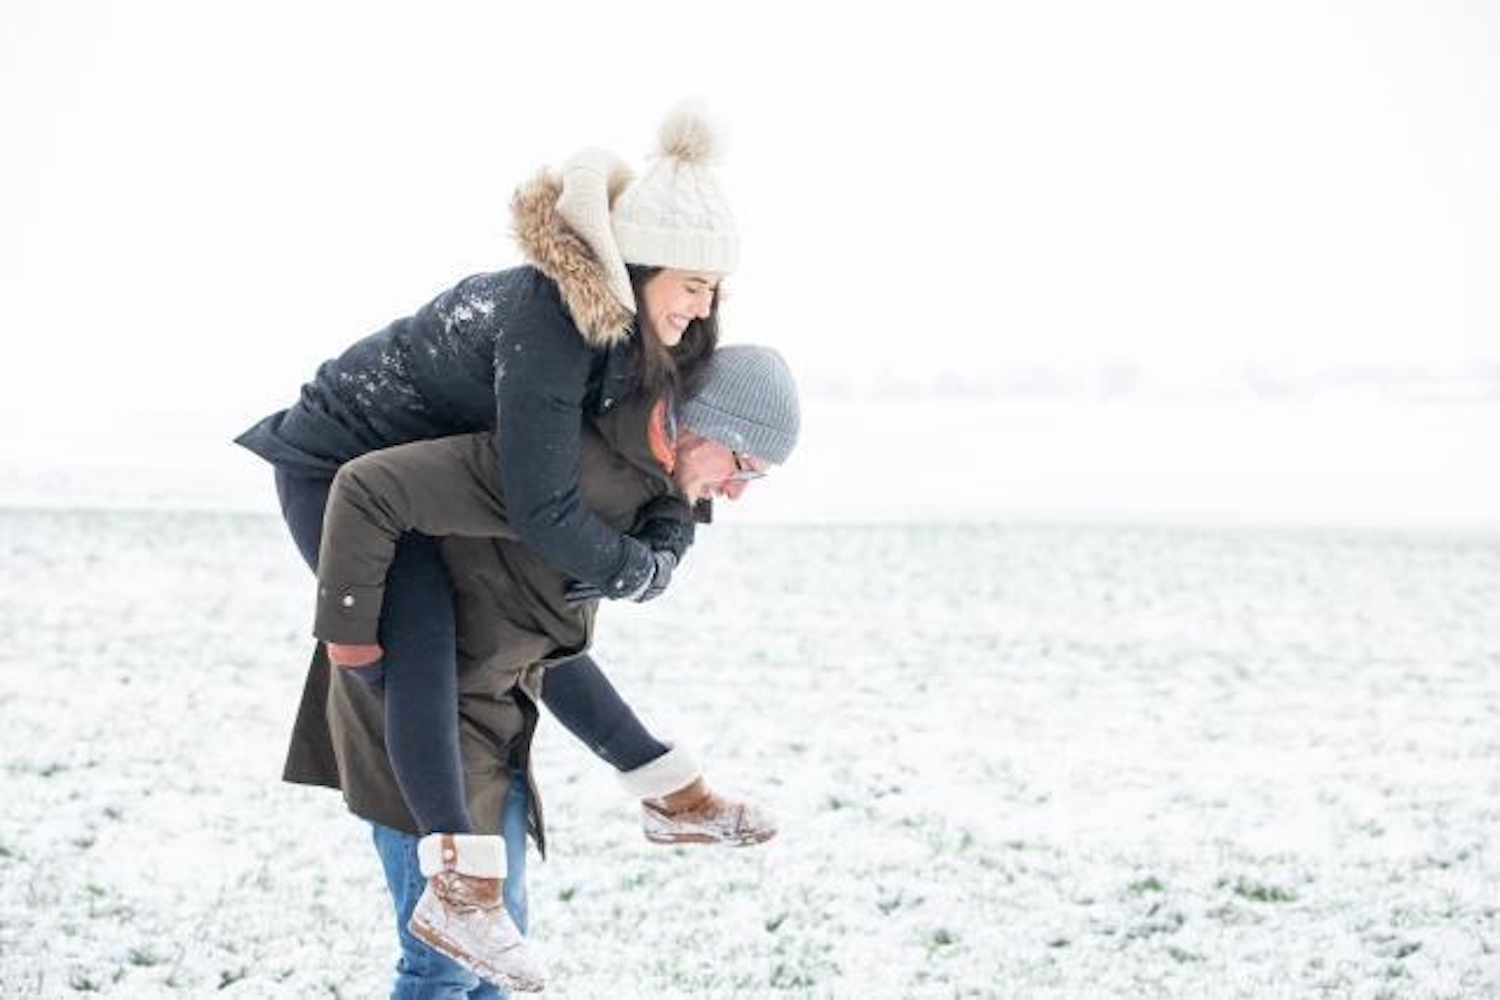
(661, 777)
(478, 855)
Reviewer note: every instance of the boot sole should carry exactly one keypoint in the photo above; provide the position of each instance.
(443, 946)
(703, 838)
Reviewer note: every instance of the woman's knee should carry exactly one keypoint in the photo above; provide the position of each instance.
(303, 500)
(417, 619)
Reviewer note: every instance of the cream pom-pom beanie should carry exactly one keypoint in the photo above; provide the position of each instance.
(674, 214)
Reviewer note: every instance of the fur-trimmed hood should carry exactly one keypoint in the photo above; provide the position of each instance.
(563, 256)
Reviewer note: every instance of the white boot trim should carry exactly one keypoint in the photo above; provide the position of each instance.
(666, 774)
(477, 854)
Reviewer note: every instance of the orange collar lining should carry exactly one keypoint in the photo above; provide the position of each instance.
(656, 436)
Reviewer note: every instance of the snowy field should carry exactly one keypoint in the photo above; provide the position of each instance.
(1009, 762)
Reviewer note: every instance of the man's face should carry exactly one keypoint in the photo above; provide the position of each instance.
(707, 469)
(672, 299)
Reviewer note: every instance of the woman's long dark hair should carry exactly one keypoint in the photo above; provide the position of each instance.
(678, 369)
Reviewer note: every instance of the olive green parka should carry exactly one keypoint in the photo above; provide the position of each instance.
(512, 619)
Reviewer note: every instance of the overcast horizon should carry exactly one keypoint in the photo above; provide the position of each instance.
(1163, 203)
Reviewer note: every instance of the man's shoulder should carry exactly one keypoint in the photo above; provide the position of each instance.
(617, 471)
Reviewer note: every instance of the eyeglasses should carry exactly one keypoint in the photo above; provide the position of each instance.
(743, 472)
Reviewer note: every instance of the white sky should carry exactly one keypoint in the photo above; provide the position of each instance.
(200, 202)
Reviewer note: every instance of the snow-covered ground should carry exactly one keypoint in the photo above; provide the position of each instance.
(1010, 761)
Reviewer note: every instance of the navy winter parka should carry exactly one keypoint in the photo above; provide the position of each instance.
(527, 352)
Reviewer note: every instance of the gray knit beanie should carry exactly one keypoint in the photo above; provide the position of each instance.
(747, 403)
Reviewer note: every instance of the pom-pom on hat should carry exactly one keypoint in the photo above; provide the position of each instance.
(674, 214)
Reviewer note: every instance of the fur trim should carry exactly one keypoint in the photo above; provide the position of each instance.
(479, 855)
(563, 256)
(666, 774)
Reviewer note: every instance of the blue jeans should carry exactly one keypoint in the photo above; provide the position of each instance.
(421, 973)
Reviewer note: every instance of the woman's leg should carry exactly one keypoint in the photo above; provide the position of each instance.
(418, 634)
(303, 498)
(583, 700)
(677, 805)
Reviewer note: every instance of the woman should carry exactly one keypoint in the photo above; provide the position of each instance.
(620, 296)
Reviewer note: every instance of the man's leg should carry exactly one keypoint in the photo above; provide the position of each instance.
(513, 822)
(421, 973)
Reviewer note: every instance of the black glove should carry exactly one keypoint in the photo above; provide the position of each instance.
(660, 574)
(663, 563)
(667, 534)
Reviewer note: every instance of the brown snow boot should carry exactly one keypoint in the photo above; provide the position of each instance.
(678, 807)
(462, 911)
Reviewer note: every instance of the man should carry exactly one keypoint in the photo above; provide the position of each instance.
(516, 615)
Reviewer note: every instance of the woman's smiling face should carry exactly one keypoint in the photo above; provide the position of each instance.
(672, 299)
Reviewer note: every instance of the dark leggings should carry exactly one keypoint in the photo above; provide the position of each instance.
(583, 700)
(420, 673)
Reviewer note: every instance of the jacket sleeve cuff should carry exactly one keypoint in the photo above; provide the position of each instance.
(348, 614)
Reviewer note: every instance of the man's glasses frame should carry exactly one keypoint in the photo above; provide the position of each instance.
(743, 473)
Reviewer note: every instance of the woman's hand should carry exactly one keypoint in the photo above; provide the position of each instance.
(341, 655)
